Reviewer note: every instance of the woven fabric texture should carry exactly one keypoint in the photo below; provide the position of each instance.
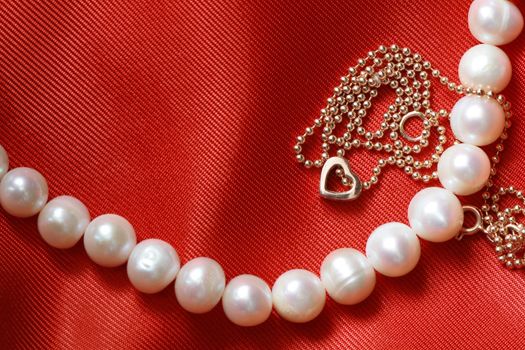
(181, 117)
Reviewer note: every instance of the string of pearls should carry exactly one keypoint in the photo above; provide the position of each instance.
(347, 275)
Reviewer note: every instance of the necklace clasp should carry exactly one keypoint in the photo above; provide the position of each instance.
(478, 225)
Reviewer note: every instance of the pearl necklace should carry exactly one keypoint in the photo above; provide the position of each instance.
(479, 118)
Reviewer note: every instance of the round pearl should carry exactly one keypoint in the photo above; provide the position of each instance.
(109, 239)
(348, 276)
(23, 192)
(485, 67)
(477, 120)
(393, 249)
(199, 285)
(495, 22)
(152, 265)
(435, 214)
(463, 169)
(298, 296)
(4, 162)
(63, 221)
(247, 301)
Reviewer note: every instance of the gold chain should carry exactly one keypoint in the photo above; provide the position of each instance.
(409, 75)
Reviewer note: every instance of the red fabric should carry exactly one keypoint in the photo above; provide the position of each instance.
(181, 116)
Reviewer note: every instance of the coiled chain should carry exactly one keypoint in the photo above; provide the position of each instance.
(409, 75)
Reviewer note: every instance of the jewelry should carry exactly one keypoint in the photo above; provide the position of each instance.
(481, 117)
(393, 249)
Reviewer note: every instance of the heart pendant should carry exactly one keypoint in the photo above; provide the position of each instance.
(352, 193)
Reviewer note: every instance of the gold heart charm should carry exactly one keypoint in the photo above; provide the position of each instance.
(352, 193)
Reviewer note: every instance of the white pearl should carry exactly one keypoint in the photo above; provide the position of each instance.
(109, 239)
(348, 276)
(393, 249)
(298, 296)
(63, 221)
(463, 169)
(477, 120)
(199, 285)
(4, 162)
(247, 301)
(435, 214)
(152, 265)
(23, 192)
(495, 22)
(485, 67)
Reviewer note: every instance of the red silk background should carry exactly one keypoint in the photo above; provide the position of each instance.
(181, 116)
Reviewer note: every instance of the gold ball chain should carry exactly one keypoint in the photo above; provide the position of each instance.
(408, 74)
